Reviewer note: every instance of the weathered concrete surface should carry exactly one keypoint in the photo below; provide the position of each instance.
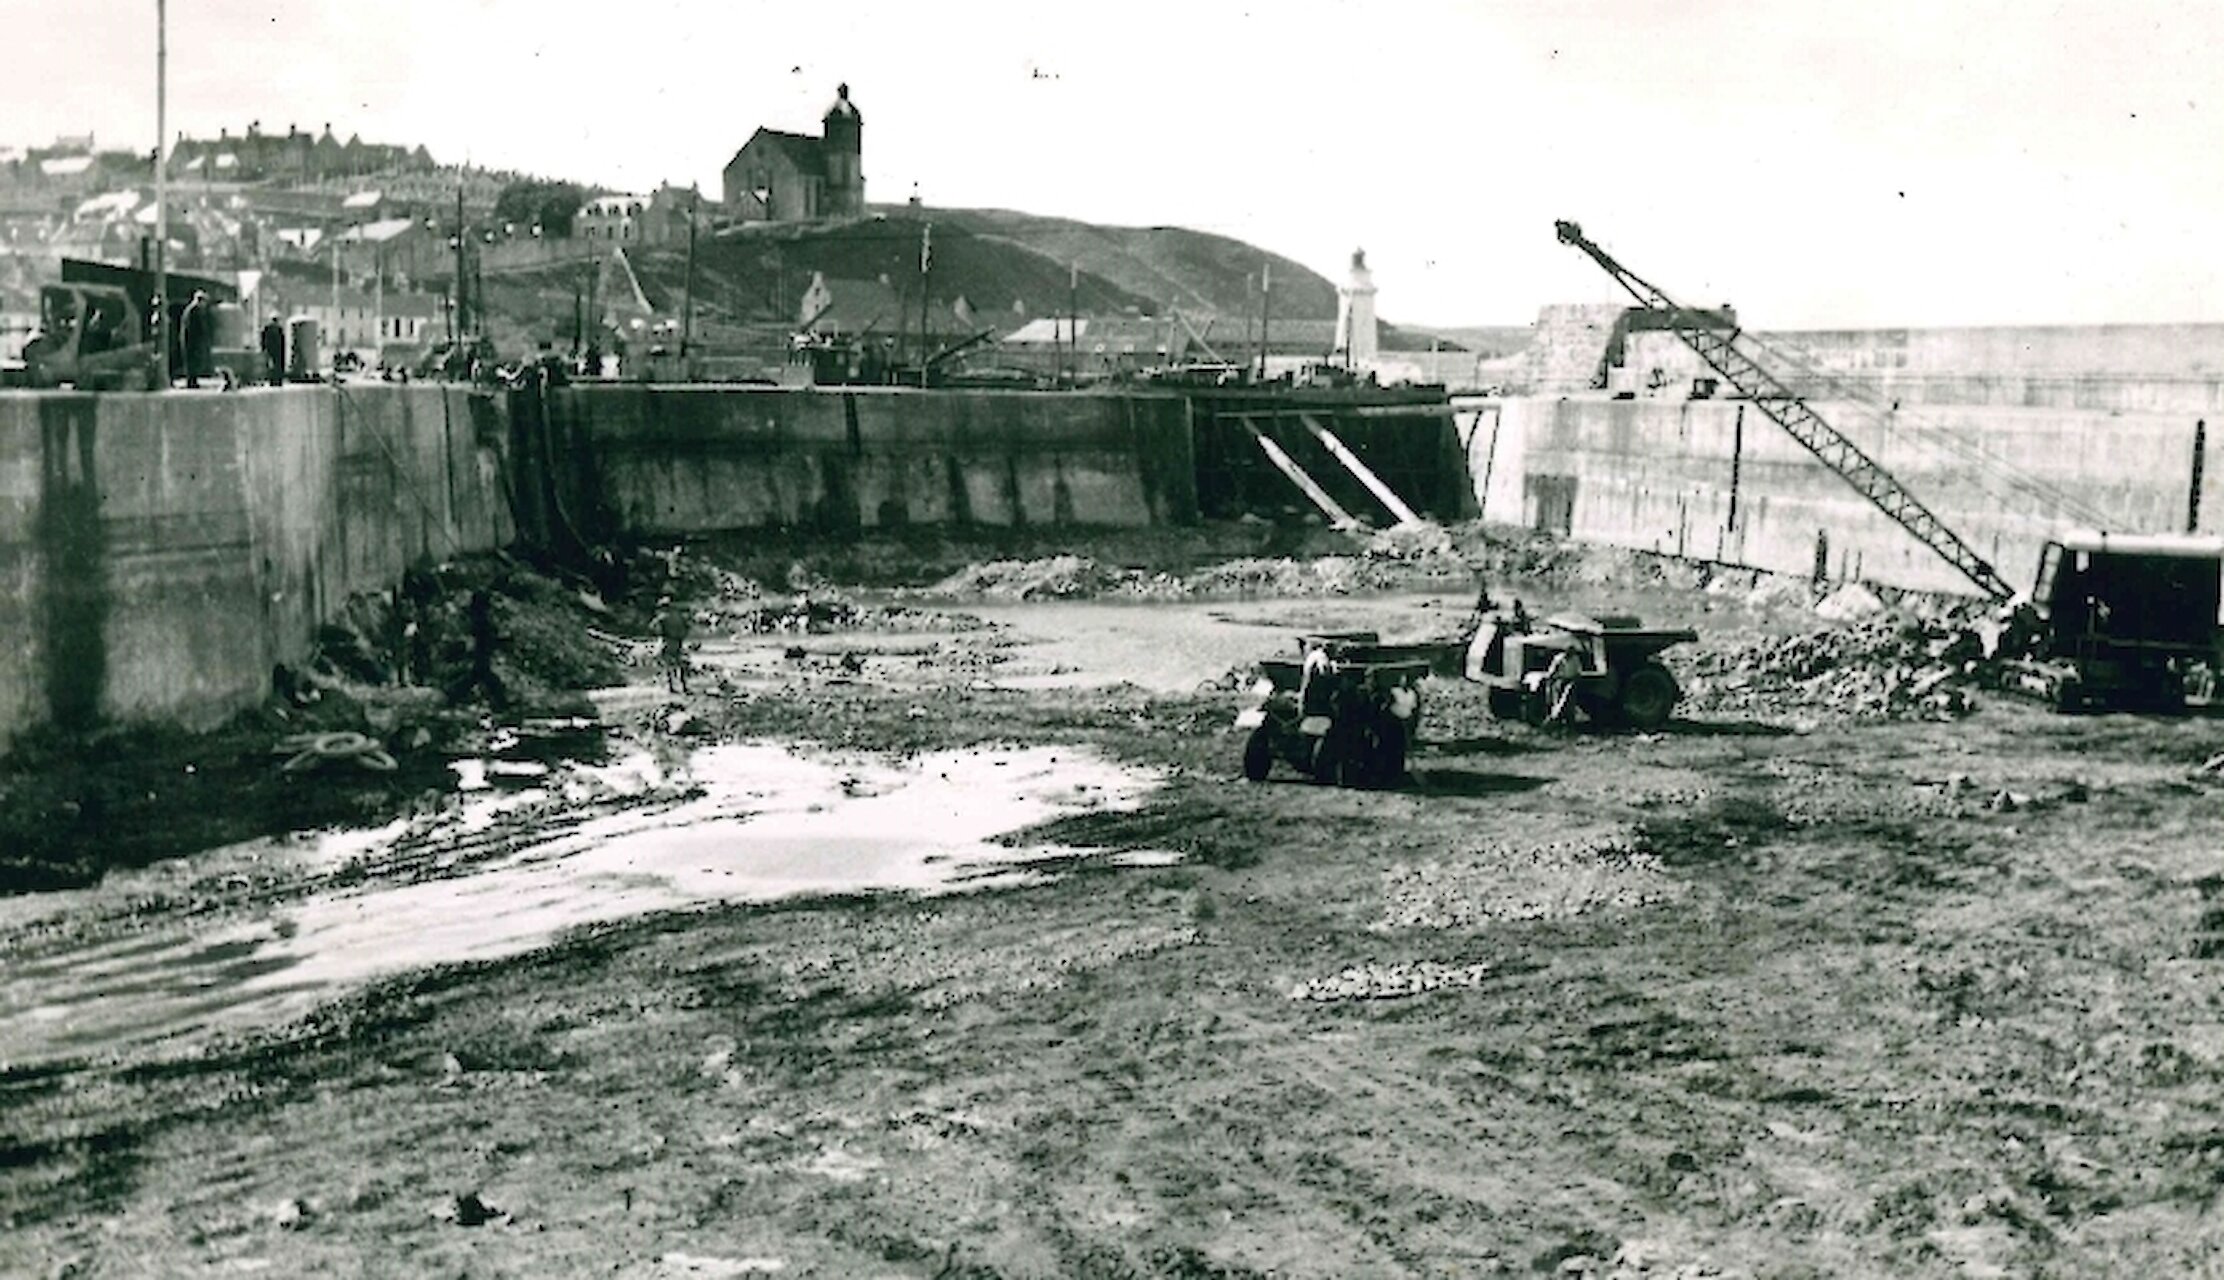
(661, 460)
(160, 554)
(1658, 475)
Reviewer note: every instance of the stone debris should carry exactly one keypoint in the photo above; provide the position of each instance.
(1848, 603)
(1502, 882)
(1394, 981)
(1893, 665)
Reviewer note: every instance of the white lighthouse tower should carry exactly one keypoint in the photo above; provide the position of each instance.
(1355, 314)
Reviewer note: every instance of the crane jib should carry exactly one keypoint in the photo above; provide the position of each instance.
(1788, 410)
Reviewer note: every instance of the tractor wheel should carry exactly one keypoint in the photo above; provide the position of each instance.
(1504, 704)
(1649, 694)
(1258, 755)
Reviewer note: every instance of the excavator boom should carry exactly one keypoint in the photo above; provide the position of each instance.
(1786, 409)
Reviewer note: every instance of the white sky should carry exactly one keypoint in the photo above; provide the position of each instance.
(1850, 162)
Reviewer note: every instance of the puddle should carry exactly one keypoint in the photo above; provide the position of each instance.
(749, 822)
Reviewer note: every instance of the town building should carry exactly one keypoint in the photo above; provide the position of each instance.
(299, 156)
(793, 177)
(367, 322)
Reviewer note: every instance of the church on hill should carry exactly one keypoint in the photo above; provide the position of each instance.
(793, 177)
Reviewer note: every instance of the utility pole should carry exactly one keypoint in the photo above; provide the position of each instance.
(926, 267)
(687, 315)
(162, 193)
(334, 336)
(461, 322)
(1073, 323)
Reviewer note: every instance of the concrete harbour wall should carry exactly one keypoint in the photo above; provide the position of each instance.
(1659, 475)
(676, 460)
(159, 555)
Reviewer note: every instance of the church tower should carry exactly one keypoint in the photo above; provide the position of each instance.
(843, 148)
(1355, 314)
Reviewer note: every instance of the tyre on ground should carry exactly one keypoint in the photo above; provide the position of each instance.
(1258, 755)
(1648, 696)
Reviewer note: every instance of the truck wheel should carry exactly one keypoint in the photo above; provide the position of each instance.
(1648, 696)
(1504, 704)
(1328, 759)
(1390, 755)
(1258, 755)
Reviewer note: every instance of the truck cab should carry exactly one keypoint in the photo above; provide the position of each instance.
(2125, 617)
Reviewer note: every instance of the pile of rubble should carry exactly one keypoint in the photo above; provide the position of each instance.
(1877, 663)
(1394, 981)
(1509, 881)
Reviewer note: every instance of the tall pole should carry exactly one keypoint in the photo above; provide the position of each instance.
(687, 314)
(335, 336)
(1073, 323)
(926, 268)
(162, 192)
(462, 320)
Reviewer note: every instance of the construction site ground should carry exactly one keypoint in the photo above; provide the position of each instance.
(1785, 989)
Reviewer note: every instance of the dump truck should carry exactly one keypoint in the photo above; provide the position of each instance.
(1614, 675)
(1344, 711)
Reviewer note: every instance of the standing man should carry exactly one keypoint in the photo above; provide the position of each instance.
(1560, 678)
(274, 350)
(197, 328)
(671, 625)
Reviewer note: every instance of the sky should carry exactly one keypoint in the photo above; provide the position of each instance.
(1825, 163)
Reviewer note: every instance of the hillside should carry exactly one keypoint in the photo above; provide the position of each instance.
(1007, 266)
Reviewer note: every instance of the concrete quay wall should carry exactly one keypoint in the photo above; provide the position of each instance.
(649, 460)
(1659, 476)
(159, 555)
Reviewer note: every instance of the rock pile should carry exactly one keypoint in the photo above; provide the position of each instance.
(1393, 981)
(1553, 880)
(1881, 665)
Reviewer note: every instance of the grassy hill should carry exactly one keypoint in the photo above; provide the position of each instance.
(1009, 266)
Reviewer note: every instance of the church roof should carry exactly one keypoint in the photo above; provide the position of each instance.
(801, 150)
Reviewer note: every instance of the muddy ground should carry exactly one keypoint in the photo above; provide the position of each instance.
(1786, 992)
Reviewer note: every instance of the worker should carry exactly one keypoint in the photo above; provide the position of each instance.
(99, 334)
(196, 330)
(1561, 676)
(483, 678)
(671, 624)
(274, 350)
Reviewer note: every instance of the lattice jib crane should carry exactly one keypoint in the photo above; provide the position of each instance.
(1786, 409)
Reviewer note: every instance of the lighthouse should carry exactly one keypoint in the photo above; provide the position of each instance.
(1355, 314)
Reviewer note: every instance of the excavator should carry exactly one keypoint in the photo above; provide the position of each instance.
(2112, 619)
